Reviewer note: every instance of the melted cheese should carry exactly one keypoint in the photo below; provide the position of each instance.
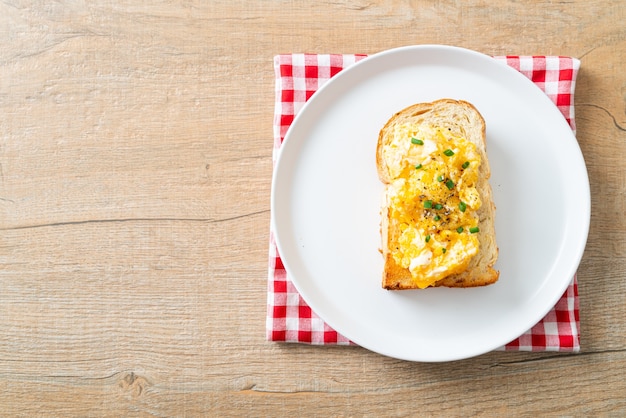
(426, 202)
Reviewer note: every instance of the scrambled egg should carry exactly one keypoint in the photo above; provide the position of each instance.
(433, 199)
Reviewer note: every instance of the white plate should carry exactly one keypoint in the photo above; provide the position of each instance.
(326, 199)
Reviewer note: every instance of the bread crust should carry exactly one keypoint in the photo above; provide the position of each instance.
(464, 118)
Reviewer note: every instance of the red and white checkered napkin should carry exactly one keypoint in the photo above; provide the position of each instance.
(298, 76)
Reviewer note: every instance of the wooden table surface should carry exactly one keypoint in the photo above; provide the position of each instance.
(135, 171)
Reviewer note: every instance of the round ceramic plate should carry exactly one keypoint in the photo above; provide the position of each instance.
(326, 199)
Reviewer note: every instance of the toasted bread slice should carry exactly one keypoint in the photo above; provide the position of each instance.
(462, 120)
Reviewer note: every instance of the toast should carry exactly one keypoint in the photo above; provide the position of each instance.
(437, 215)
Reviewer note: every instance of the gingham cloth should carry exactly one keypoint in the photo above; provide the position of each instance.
(289, 318)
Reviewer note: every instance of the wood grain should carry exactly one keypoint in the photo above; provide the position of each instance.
(135, 171)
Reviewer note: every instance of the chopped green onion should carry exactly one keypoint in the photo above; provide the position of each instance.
(417, 141)
(474, 229)
(462, 206)
(439, 179)
(417, 167)
(465, 165)
(428, 204)
(438, 206)
(450, 184)
(427, 238)
(459, 229)
(449, 152)
(437, 217)
(443, 250)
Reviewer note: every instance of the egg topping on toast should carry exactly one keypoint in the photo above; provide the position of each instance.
(432, 201)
